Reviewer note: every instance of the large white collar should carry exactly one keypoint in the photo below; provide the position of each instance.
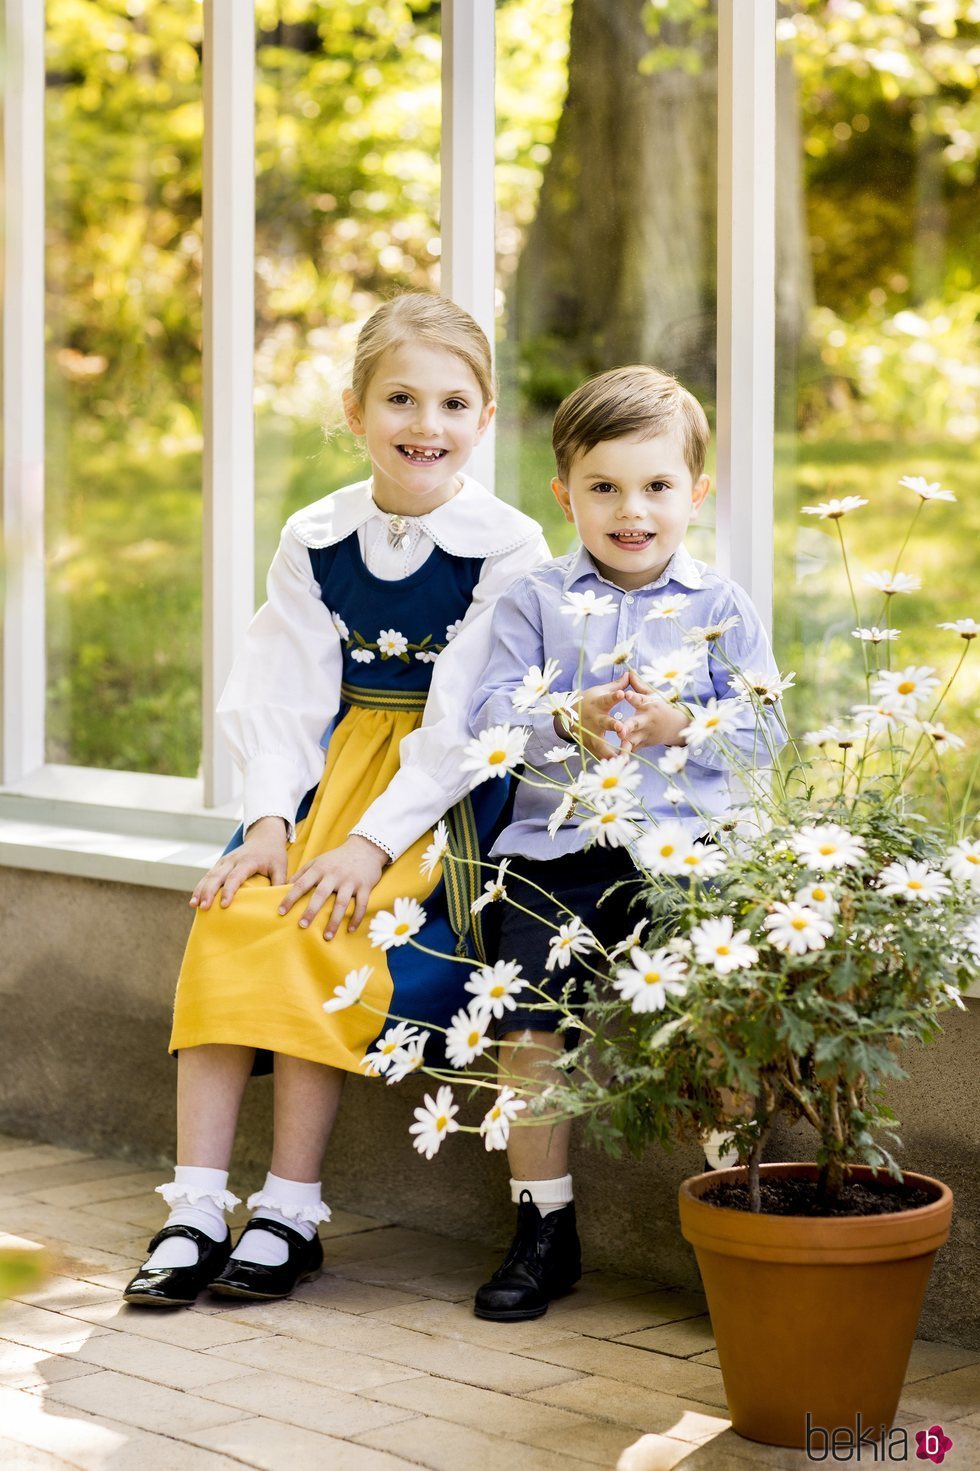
(473, 524)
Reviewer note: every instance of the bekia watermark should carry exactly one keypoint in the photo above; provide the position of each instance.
(873, 1443)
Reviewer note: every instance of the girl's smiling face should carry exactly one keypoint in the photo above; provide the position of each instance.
(422, 414)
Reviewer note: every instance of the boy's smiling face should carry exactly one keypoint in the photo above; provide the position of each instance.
(631, 501)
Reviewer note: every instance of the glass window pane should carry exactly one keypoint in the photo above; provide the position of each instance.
(606, 239)
(123, 393)
(348, 133)
(878, 349)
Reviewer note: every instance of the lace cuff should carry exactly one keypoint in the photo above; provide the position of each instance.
(312, 1215)
(175, 1194)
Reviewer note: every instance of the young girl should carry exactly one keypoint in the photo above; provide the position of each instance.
(375, 630)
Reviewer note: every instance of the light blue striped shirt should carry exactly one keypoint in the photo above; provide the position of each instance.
(529, 627)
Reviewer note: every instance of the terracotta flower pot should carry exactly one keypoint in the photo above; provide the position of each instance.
(813, 1314)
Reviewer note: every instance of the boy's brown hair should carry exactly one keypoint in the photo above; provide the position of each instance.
(636, 402)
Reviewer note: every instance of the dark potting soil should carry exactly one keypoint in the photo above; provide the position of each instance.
(799, 1198)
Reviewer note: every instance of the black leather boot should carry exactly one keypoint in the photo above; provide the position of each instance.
(544, 1261)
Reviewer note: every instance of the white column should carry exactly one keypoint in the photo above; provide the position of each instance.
(23, 392)
(746, 293)
(229, 334)
(468, 206)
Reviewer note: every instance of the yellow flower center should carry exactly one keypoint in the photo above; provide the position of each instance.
(499, 991)
(472, 1039)
(607, 817)
(389, 1047)
(798, 924)
(403, 928)
(907, 687)
(609, 782)
(916, 884)
(826, 849)
(722, 950)
(495, 1114)
(441, 1122)
(667, 850)
(711, 721)
(691, 859)
(973, 857)
(496, 757)
(652, 977)
(820, 895)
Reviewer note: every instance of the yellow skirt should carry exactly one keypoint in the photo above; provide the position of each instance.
(251, 977)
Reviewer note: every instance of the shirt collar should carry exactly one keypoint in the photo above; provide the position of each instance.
(473, 523)
(681, 568)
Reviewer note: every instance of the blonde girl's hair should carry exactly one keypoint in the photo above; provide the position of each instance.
(633, 402)
(420, 317)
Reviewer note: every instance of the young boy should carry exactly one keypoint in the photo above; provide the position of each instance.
(629, 447)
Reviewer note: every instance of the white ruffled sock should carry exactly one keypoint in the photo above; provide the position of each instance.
(291, 1203)
(197, 1196)
(718, 1149)
(548, 1195)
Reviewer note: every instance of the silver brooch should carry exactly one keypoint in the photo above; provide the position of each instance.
(398, 532)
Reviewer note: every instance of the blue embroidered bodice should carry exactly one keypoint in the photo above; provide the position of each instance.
(392, 632)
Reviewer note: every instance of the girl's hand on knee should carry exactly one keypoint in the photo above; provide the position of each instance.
(263, 851)
(348, 873)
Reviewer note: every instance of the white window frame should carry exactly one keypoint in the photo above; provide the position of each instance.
(63, 797)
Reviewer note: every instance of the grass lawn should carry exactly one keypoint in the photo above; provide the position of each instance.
(124, 605)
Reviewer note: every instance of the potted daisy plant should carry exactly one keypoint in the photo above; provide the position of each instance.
(779, 965)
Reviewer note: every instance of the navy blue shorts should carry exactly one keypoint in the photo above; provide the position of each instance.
(579, 881)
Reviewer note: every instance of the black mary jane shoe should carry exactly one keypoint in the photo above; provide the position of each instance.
(178, 1287)
(260, 1283)
(544, 1261)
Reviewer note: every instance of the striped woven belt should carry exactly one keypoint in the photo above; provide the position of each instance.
(355, 694)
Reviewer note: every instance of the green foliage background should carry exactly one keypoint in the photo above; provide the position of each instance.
(347, 130)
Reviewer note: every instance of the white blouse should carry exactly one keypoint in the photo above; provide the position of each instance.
(284, 689)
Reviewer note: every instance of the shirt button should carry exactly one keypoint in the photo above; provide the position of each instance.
(629, 598)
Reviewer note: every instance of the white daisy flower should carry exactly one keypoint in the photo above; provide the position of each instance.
(966, 627)
(559, 702)
(436, 851)
(669, 607)
(572, 939)
(717, 943)
(702, 860)
(362, 656)
(611, 780)
(391, 643)
(434, 1121)
(631, 942)
(911, 880)
(942, 739)
(496, 751)
(675, 669)
(711, 631)
(390, 928)
(582, 605)
(769, 688)
(875, 635)
(395, 1037)
(795, 928)
(663, 849)
(495, 1128)
(452, 629)
(890, 583)
(495, 986)
(426, 656)
(827, 845)
(926, 491)
(613, 827)
(970, 933)
(557, 754)
(535, 685)
(351, 991)
(907, 686)
(649, 978)
(673, 794)
(673, 761)
(407, 1059)
(561, 814)
(955, 995)
(831, 735)
(493, 889)
(962, 863)
(818, 896)
(833, 510)
(619, 656)
(466, 1036)
(340, 625)
(887, 715)
(710, 721)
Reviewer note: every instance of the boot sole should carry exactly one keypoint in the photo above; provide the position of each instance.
(518, 1316)
(223, 1289)
(137, 1300)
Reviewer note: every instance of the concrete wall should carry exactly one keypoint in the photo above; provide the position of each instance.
(86, 980)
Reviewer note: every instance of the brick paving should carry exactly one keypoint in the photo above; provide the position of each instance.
(379, 1365)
